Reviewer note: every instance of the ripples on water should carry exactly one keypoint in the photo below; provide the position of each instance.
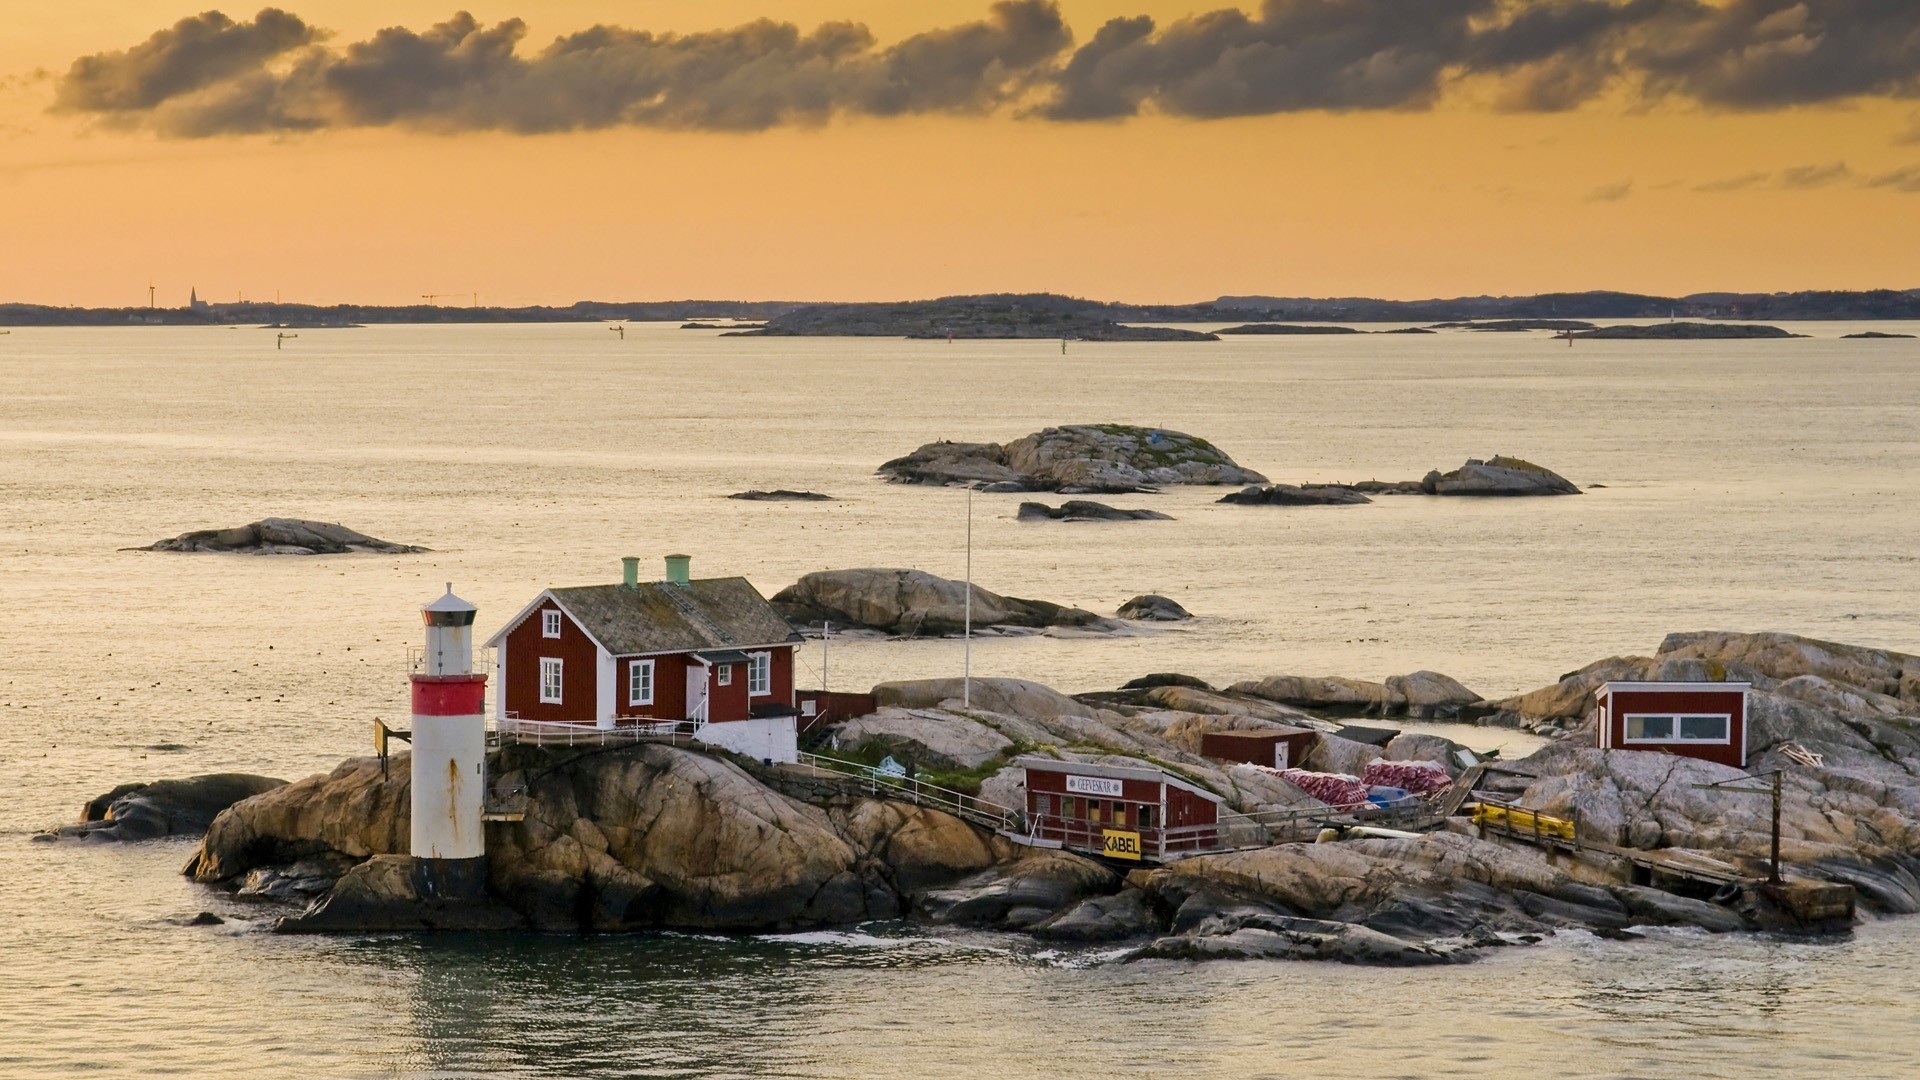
(1750, 485)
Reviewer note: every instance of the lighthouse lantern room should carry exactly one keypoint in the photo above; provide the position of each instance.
(449, 756)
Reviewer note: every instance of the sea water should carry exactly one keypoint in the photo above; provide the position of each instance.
(1743, 485)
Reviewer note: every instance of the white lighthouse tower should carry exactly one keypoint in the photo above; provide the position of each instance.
(449, 756)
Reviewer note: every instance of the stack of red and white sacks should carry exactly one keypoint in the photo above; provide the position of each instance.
(1334, 789)
(1415, 777)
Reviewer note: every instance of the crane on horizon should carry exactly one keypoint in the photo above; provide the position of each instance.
(434, 297)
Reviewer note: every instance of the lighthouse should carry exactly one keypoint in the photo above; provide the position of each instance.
(449, 756)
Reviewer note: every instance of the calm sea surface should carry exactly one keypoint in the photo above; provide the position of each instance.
(1747, 485)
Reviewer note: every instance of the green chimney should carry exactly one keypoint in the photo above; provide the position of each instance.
(679, 569)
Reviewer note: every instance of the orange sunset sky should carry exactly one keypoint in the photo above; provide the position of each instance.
(1732, 147)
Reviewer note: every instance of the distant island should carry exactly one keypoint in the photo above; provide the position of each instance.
(1039, 315)
(1685, 331)
(1036, 315)
(1287, 328)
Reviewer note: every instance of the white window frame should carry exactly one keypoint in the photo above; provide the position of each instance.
(553, 680)
(550, 623)
(759, 673)
(639, 672)
(723, 674)
(1678, 718)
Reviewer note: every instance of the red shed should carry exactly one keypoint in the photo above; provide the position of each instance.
(1705, 720)
(1117, 811)
(1278, 748)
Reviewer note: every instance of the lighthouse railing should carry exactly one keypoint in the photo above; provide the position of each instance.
(482, 660)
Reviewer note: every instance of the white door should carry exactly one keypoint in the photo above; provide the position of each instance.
(697, 693)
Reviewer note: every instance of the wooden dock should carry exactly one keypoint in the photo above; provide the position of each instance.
(1541, 831)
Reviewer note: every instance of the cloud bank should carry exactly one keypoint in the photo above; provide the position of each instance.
(210, 75)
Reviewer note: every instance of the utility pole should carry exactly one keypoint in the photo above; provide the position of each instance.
(966, 663)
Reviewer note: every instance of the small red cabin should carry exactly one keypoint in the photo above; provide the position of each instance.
(711, 655)
(1277, 748)
(1118, 812)
(1705, 720)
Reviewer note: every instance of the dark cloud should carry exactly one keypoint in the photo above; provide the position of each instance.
(1804, 177)
(461, 75)
(1797, 178)
(1544, 55)
(1760, 54)
(1295, 55)
(210, 75)
(1907, 179)
(192, 54)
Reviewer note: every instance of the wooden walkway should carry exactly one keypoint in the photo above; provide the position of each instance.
(1677, 864)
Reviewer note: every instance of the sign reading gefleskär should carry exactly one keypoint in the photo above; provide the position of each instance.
(1094, 785)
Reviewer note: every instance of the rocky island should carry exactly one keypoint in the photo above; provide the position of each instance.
(1076, 459)
(1497, 476)
(1685, 331)
(780, 495)
(1031, 315)
(282, 536)
(1271, 329)
(914, 603)
(1085, 510)
(657, 835)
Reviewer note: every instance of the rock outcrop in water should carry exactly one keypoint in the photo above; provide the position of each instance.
(1085, 510)
(1152, 607)
(1274, 329)
(914, 603)
(1076, 459)
(1296, 495)
(1497, 476)
(780, 495)
(282, 536)
(148, 811)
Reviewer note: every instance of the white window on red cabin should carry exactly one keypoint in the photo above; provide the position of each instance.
(759, 674)
(723, 675)
(549, 624)
(640, 682)
(550, 680)
(1679, 728)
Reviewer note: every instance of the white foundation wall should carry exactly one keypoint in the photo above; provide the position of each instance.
(449, 780)
(773, 738)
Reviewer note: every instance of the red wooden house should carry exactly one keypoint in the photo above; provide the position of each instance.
(1119, 812)
(710, 655)
(1706, 720)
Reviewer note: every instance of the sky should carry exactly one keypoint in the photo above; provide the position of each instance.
(545, 151)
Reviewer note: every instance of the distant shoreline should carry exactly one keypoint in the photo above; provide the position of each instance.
(1034, 314)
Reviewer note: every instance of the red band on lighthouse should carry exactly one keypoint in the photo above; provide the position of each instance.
(449, 695)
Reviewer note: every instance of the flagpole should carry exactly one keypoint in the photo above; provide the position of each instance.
(966, 670)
